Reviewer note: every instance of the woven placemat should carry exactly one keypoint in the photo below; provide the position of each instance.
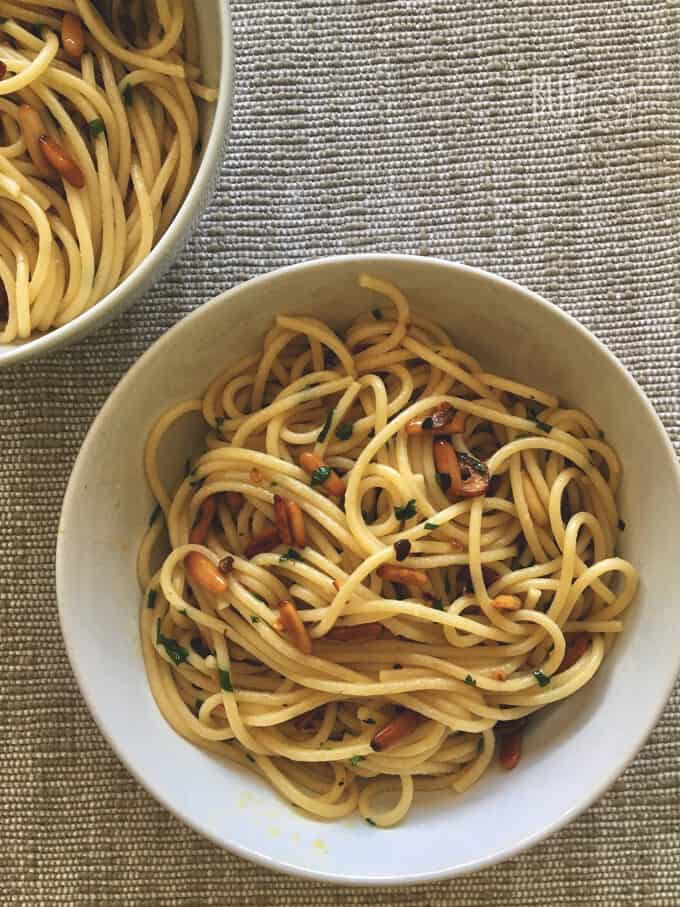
(535, 139)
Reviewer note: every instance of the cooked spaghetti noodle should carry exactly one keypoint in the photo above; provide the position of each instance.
(384, 561)
(100, 132)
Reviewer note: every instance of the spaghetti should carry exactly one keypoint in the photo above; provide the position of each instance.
(385, 560)
(100, 126)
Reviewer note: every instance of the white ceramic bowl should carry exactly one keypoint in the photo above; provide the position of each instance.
(574, 750)
(214, 22)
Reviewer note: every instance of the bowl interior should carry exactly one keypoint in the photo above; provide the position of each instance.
(215, 41)
(572, 752)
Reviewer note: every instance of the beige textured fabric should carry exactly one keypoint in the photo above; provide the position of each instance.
(535, 139)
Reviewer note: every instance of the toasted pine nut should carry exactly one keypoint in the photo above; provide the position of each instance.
(398, 728)
(32, 127)
(296, 522)
(443, 419)
(235, 501)
(510, 750)
(476, 481)
(576, 647)
(65, 166)
(267, 540)
(198, 534)
(294, 627)
(507, 602)
(282, 523)
(446, 461)
(403, 575)
(334, 485)
(203, 572)
(357, 633)
(72, 37)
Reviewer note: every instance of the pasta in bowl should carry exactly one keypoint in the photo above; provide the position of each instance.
(385, 561)
(105, 115)
(571, 750)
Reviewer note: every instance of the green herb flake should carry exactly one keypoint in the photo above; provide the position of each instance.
(542, 679)
(254, 619)
(470, 681)
(443, 480)
(371, 822)
(355, 760)
(259, 598)
(429, 525)
(320, 475)
(151, 598)
(225, 681)
(157, 511)
(428, 424)
(344, 431)
(543, 426)
(96, 128)
(250, 758)
(174, 651)
(323, 434)
(184, 612)
(406, 511)
(621, 525)
(219, 422)
(290, 555)
(438, 604)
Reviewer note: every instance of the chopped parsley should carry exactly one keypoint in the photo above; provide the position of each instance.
(470, 681)
(429, 525)
(370, 822)
(542, 679)
(344, 431)
(402, 549)
(225, 681)
(621, 525)
(438, 604)
(174, 651)
(323, 434)
(406, 511)
(184, 612)
(151, 598)
(156, 513)
(320, 475)
(377, 314)
(96, 127)
(355, 760)
(250, 758)
(428, 424)
(543, 426)
(219, 422)
(254, 619)
(290, 555)
(443, 480)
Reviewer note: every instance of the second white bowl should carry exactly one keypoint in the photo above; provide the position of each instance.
(573, 752)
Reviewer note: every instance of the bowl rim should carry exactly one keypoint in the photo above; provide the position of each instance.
(636, 741)
(123, 296)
